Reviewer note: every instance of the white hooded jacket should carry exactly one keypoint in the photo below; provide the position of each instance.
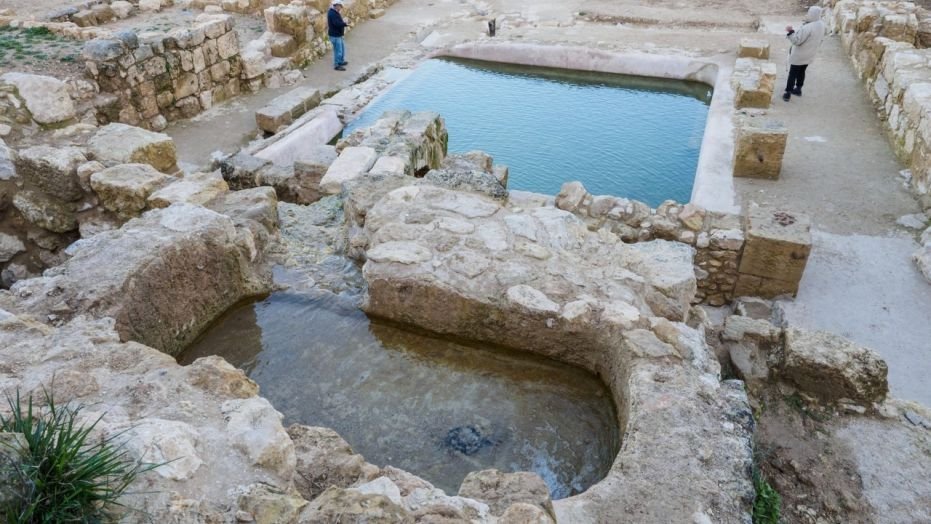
(807, 39)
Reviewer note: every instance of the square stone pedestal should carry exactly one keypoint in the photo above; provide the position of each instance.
(759, 147)
(751, 48)
(753, 81)
(775, 253)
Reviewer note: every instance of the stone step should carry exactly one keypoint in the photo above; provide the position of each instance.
(286, 108)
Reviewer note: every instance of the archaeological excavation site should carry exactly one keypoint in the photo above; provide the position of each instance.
(465, 261)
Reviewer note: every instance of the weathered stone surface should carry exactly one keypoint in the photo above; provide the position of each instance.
(166, 441)
(180, 268)
(531, 264)
(753, 48)
(195, 188)
(523, 513)
(420, 139)
(500, 490)
(53, 170)
(465, 173)
(10, 246)
(124, 189)
(776, 252)
(346, 505)
(123, 144)
(146, 400)
(286, 108)
(265, 504)
(46, 98)
(322, 124)
(256, 210)
(760, 146)
(7, 167)
(45, 212)
(255, 429)
(754, 82)
(833, 367)
(353, 162)
(324, 459)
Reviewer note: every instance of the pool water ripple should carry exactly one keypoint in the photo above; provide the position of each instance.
(626, 136)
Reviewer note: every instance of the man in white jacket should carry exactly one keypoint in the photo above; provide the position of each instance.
(805, 44)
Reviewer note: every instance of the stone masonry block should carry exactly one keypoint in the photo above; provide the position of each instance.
(761, 144)
(777, 247)
(753, 81)
(352, 163)
(752, 48)
(286, 108)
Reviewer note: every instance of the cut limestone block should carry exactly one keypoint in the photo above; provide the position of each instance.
(761, 144)
(122, 144)
(753, 81)
(196, 188)
(352, 163)
(124, 189)
(775, 253)
(752, 48)
(833, 367)
(286, 108)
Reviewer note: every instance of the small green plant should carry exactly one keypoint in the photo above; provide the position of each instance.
(65, 476)
(38, 32)
(767, 504)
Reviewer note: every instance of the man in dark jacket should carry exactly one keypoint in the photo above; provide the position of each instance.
(336, 28)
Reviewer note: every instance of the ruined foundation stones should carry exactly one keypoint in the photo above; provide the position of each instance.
(775, 254)
(822, 365)
(148, 83)
(760, 146)
(754, 82)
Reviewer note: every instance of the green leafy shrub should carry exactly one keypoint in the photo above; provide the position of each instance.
(64, 476)
(767, 505)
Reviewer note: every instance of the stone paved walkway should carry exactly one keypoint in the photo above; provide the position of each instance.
(839, 168)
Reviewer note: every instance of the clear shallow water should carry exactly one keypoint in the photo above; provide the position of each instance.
(627, 136)
(437, 408)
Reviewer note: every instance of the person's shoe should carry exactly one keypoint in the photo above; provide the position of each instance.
(341, 68)
(786, 96)
(344, 63)
(797, 91)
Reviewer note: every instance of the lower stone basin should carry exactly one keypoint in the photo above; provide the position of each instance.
(438, 408)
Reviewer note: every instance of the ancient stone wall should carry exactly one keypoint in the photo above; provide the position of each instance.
(153, 81)
(297, 31)
(887, 42)
(718, 238)
(725, 267)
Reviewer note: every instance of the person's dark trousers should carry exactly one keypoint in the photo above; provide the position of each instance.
(796, 77)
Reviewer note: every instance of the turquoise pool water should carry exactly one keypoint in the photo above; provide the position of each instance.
(627, 136)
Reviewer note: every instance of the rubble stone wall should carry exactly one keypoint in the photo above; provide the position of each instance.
(148, 83)
(718, 238)
(887, 42)
(761, 253)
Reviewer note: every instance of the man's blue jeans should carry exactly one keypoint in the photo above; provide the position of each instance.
(339, 50)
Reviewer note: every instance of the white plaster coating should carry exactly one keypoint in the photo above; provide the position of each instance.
(714, 187)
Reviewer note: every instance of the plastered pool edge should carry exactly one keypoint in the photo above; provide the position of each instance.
(713, 186)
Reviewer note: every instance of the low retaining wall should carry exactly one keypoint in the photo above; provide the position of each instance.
(887, 43)
(760, 253)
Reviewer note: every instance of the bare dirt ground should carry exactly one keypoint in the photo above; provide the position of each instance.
(832, 467)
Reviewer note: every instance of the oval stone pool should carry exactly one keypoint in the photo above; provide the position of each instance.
(437, 408)
(628, 136)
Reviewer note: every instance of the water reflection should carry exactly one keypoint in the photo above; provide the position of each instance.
(629, 136)
(437, 408)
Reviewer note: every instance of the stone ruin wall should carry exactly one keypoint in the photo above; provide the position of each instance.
(888, 44)
(761, 253)
(151, 82)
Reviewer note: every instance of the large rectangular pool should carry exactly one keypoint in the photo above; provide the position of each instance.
(627, 136)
